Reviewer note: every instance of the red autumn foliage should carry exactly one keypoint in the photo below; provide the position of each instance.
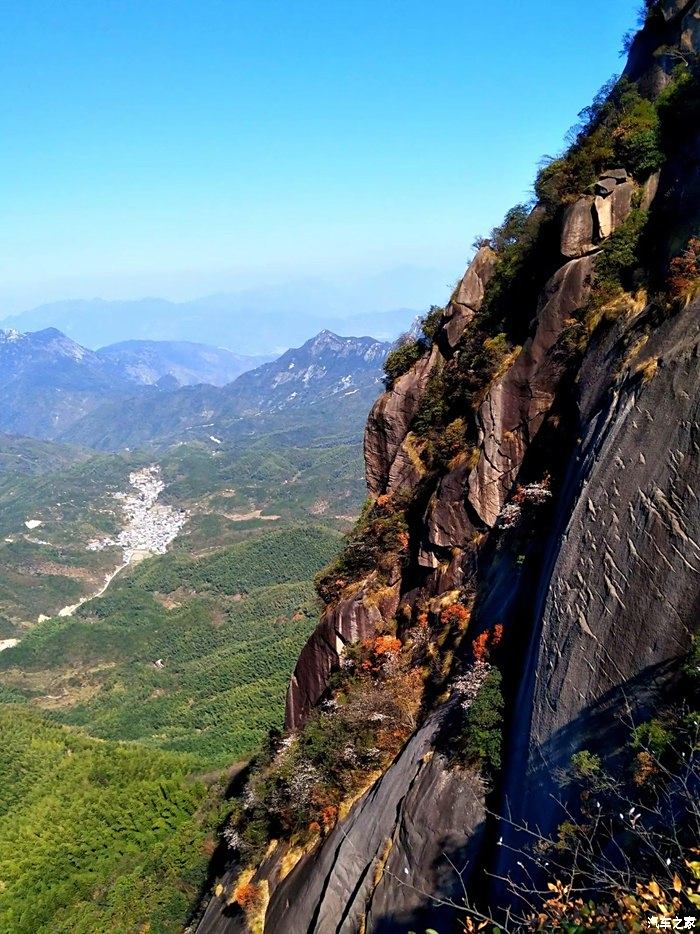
(480, 647)
(386, 645)
(684, 270)
(486, 641)
(455, 614)
(329, 815)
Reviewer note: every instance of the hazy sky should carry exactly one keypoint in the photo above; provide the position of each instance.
(183, 147)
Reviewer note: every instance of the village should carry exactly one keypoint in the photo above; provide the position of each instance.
(150, 526)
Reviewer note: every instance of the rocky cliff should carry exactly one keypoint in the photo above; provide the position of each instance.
(530, 545)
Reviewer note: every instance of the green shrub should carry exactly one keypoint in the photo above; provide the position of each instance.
(653, 736)
(482, 733)
(585, 765)
(619, 255)
(401, 359)
(431, 322)
(379, 534)
(432, 407)
(516, 277)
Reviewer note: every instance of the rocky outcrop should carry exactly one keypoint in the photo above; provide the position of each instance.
(379, 866)
(390, 462)
(578, 229)
(446, 522)
(352, 619)
(390, 420)
(515, 406)
(469, 295)
(591, 219)
(612, 208)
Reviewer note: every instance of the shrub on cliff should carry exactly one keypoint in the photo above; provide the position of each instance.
(479, 744)
(432, 407)
(431, 322)
(380, 534)
(684, 270)
(400, 360)
(619, 256)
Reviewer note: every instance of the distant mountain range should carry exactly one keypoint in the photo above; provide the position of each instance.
(245, 323)
(169, 364)
(55, 389)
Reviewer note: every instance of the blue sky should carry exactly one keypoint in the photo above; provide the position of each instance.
(185, 147)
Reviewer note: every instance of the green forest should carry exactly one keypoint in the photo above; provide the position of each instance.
(109, 716)
(105, 836)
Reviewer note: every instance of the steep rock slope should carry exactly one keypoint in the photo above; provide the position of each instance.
(533, 522)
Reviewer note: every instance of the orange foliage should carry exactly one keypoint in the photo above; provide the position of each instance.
(486, 641)
(480, 647)
(249, 896)
(386, 645)
(455, 614)
(685, 269)
(314, 827)
(329, 816)
(644, 767)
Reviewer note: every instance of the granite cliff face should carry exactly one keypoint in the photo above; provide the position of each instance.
(541, 455)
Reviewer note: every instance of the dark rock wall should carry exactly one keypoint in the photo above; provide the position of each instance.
(620, 592)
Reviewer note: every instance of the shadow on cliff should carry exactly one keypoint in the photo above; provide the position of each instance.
(479, 868)
(220, 864)
(452, 875)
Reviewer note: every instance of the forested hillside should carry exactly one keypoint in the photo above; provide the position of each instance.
(103, 836)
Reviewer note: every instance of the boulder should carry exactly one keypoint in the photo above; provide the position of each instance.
(578, 229)
(619, 175)
(604, 186)
(611, 211)
(468, 295)
(390, 420)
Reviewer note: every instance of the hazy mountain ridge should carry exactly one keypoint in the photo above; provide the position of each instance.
(302, 383)
(188, 363)
(127, 396)
(49, 381)
(221, 320)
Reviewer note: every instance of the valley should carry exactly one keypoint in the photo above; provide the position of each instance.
(152, 605)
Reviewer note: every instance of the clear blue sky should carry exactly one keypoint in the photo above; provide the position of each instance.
(181, 147)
